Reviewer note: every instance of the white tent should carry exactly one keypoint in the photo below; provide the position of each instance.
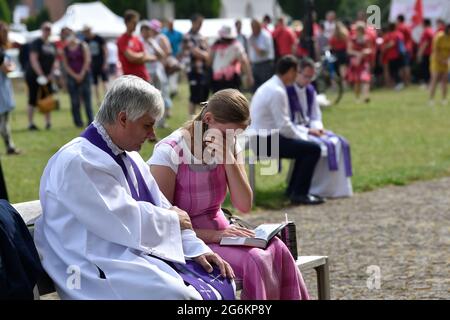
(16, 37)
(210, 27)
(94, 14)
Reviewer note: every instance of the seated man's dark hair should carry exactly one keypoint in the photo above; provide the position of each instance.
(286, 63)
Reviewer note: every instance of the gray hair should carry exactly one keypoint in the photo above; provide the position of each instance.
(133, 96)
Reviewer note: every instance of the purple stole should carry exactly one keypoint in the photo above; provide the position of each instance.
(191, 272)
(295, 107)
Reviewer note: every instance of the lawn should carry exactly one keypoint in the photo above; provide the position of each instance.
(395, 139)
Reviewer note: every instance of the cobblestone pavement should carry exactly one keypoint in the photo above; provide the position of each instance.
(404, 232)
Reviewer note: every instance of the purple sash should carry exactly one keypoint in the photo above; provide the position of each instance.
(332, 158)
(192, 273)
(295, 107)
(294, 101)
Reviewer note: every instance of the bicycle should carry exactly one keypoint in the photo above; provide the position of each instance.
(328, 82)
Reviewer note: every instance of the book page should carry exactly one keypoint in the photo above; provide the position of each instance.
(268, 230)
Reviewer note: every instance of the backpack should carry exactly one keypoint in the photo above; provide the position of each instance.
(401, 48)
(20, 266)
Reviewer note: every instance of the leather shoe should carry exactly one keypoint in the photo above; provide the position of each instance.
(14, 151)
(307, 199)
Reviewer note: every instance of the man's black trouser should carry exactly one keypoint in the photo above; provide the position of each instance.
(305, 153)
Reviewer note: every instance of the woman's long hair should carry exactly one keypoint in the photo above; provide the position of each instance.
(341, 31)
(4, 43)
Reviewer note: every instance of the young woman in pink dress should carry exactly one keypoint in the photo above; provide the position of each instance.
(195, 178)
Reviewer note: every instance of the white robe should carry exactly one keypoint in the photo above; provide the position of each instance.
(325, 183)
(90, 220)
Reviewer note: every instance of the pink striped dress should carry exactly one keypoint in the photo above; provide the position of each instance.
(269, 274)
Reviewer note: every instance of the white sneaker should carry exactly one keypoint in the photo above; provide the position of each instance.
(431, 103)
(444, 102)
(399, 86)
(323, 101)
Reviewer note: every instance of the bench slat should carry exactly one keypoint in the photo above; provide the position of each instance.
(29, 211)
(310, 262)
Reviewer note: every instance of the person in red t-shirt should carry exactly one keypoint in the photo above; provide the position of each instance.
(132, 55)
(338, 45)
(391, 54)
(424, 53)
(408, 42)
(284, 38)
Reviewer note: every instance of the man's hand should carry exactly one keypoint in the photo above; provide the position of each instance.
(185, 221)
(206, 259)
(316, 132)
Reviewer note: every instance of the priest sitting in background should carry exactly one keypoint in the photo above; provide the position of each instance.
(106, 231)
(332, 174)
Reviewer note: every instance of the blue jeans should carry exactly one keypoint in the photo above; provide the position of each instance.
(77, 90)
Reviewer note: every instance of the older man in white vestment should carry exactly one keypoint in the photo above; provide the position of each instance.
(106, 231)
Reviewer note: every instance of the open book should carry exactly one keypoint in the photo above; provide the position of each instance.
(263, 234)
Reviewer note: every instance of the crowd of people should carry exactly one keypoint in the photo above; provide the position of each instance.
(364, 56)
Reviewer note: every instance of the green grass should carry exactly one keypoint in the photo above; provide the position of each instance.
(395, 139)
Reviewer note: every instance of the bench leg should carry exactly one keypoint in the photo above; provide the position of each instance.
(36, 295)
(323, 281)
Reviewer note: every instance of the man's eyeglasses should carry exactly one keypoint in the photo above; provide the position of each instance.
(307, 77)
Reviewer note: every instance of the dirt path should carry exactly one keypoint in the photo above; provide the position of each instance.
(404, 232)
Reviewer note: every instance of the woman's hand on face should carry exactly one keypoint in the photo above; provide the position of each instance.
(217, 149)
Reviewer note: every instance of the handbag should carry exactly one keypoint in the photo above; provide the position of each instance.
(46, 102)
(171, 65)
(236, 220)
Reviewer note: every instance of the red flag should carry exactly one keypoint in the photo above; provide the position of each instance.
(417, 18)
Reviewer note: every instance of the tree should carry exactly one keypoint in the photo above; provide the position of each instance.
(120, 6)
(297, 9)
(5, 13)
(344, 8)
(184, 9)
(350, 8)
(35, 22)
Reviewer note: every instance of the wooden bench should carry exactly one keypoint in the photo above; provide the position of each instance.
(29, 211)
